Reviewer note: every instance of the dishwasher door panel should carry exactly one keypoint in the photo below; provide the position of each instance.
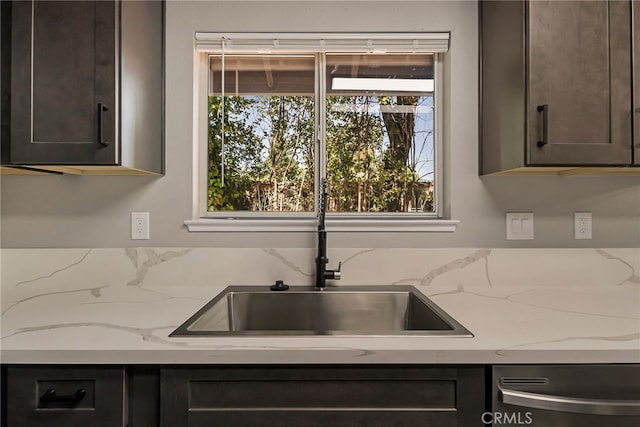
(566, 395)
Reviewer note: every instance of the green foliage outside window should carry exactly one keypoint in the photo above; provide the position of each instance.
(375, 161)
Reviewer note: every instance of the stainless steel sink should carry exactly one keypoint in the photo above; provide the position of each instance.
(355, 310)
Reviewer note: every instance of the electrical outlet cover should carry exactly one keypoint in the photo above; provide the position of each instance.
(582, 225)
(139, 225)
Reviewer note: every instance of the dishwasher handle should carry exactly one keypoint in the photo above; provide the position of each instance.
(569, 404)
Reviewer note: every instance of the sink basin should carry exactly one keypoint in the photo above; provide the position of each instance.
(345, 310)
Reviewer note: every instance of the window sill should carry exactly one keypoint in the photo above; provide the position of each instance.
(332, 225)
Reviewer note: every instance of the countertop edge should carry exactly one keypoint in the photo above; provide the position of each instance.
(316, 356)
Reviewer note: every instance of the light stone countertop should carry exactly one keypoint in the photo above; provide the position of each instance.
(117, 306)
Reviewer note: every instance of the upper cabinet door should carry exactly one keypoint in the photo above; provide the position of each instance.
(579, 68)
(64, 82)
(636, 81)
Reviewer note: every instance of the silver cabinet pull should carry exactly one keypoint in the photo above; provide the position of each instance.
(569, 404)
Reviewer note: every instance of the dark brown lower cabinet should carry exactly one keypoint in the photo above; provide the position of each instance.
(63, 396)
(269, 396)
(242, 395)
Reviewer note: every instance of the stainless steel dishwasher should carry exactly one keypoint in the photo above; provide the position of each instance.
(565, 395)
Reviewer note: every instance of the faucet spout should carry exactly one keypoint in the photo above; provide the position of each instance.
(322, 274)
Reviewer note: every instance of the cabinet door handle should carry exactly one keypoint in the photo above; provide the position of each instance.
(101, 109)
(542, 141)
(50, 396)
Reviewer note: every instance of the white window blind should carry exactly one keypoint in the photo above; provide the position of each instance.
(317, 42)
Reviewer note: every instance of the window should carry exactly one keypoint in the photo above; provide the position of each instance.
(285, 111)
(263, 157)
(379, 132)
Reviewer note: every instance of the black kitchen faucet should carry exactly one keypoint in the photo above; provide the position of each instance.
(322, 274)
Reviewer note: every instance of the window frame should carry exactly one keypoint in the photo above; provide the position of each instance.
(204, 220)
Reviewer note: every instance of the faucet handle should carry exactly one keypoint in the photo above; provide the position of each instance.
(333, 274)
(337, 274)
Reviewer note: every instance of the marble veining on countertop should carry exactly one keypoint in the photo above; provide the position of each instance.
(120, 305)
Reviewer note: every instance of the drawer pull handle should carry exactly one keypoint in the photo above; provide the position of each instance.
(50, 396)
(101, 109)
(543, 110)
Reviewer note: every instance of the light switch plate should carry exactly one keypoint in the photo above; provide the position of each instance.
(520, 226)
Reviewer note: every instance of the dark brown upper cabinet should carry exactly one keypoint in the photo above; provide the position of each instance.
(636, 83)
(86, 86)
(556, 86)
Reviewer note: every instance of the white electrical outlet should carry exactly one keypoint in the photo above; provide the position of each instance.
(582, 228)
(139, 225)
(520, 226)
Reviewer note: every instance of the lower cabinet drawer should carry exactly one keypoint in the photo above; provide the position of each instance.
(63, 396)
(321, 396)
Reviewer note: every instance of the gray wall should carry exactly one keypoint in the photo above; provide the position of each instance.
(71, 211)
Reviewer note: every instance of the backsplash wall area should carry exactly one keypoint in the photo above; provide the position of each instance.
(33, 272)
(94, 212)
